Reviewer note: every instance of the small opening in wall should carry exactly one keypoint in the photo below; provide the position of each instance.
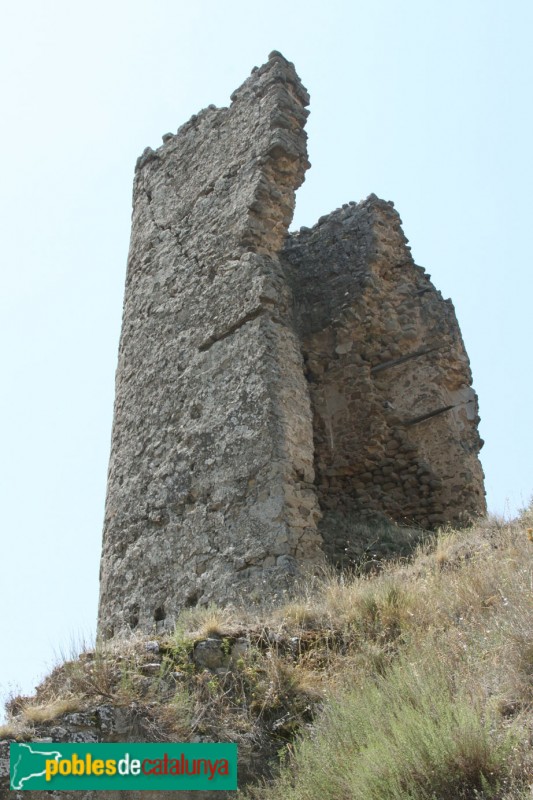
(192, 599)
(133, 617)
(159, 614)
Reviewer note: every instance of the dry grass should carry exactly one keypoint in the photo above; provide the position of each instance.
(454, 623)
(203, 622)
(430, 678)
(15, 730)
(51, 710)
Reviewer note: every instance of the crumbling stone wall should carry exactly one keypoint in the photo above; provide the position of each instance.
(211, 471)
(395, 417)
(270, 388)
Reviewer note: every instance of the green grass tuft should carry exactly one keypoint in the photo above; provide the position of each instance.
(409, 735)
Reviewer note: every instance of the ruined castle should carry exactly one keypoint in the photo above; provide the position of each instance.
(273, 389)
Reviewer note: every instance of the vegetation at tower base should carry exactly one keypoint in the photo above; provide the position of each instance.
(412, 681)
(275, 391)
(288, 404)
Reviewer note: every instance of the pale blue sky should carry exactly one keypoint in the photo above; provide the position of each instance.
(423, 102)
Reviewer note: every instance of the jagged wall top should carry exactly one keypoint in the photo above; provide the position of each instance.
(230, 164)
(271, 389)
(212, 457)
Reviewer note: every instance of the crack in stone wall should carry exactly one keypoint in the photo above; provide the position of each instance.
(268, 383)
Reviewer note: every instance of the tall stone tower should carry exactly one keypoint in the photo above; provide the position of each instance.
(271, 389)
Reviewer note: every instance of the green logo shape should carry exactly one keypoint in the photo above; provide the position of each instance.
(120, 766)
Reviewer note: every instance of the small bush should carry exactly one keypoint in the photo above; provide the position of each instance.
(407, 736)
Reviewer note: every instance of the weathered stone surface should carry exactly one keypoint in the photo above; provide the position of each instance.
(209, 654)
(395, 417)
(271, 389)
(211, 470)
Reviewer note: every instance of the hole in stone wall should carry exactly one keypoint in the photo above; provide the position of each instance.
(109, 632)
(159, 614)
(196, 411)
(133, 616)
(192, 599)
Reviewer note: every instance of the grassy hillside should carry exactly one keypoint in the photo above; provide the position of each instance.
(412, 682)
(433, 697)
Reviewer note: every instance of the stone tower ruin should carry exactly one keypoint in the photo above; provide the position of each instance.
(272, 389)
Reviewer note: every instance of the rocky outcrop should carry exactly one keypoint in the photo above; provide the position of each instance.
(271, 389)
(241, 688)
